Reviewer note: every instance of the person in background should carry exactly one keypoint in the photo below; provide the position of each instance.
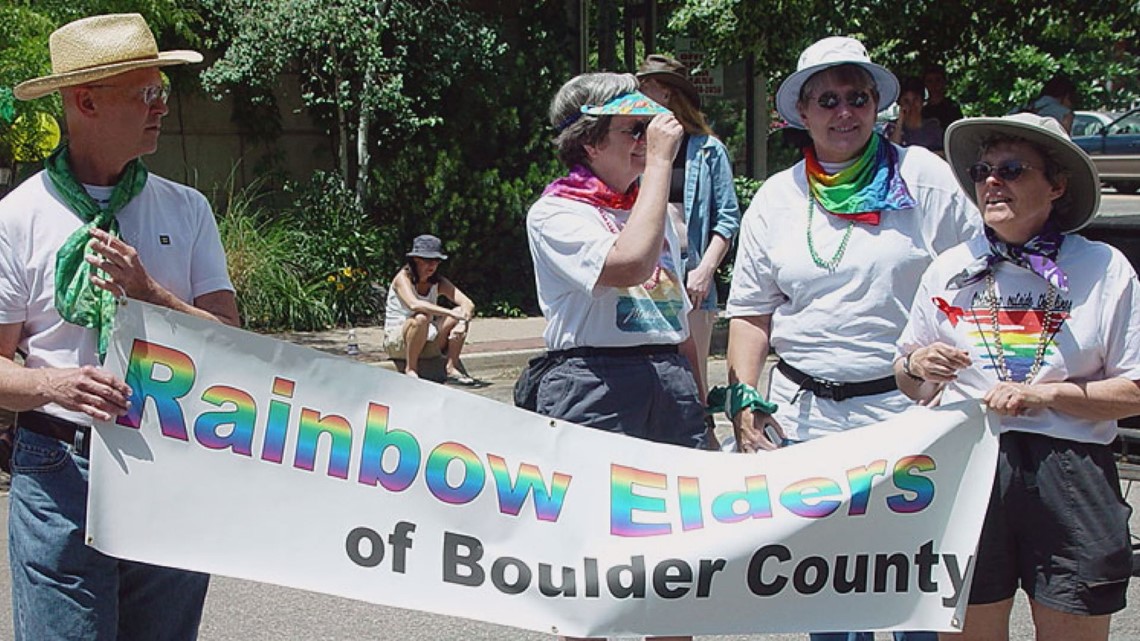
(1044, 327)
(1057, 100)
(94, 227)
(911, 127)
(938, 105)
(608, 269)
(831, 252)
(413, 317)
(702, 199)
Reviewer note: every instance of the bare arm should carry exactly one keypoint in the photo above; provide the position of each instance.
(700, 280)
(453, 293)
(124, 275)
(634, 255)
(406, 291)
(931, 367)
(688, 349)
(1109, 399)
(85, 389)
(748, 345)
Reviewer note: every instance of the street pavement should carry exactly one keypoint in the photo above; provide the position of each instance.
(497, 350)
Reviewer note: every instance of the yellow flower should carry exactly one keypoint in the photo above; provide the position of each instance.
(331, 278)
(340, 287)
(347, 271)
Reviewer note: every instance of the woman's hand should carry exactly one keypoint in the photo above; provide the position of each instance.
(697, 284)
(663, 138)
(938, 362)
(1015, 399)
(750, 433)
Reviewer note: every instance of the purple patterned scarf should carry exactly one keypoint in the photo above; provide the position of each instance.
(1038, 255)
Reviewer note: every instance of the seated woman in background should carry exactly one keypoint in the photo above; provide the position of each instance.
(413, 318)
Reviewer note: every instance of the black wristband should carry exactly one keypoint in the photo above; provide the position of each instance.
(906, 369)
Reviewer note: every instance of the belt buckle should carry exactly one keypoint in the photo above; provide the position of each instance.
(832, 390)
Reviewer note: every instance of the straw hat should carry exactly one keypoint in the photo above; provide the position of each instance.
(964, 140)
(671, 72)
(99, 47)
(832, 52)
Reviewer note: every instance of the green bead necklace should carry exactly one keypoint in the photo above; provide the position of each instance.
(829, 265)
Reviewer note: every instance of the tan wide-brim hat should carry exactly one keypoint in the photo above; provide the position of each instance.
(964, 142)
(100, 47)
(671, 72)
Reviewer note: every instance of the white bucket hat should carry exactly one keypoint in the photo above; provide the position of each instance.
(99, 47)
(964, 141)
(831, 52)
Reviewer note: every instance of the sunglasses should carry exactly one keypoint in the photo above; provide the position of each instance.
(149, 93)
(855, 99)
(637, 131)
(1008, 171)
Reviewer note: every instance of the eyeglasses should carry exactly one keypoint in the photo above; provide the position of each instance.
(149, 93)
(637, 131)
(1008, 171)
(855, 99)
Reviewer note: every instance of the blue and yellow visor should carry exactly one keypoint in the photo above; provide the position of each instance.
(633, 103)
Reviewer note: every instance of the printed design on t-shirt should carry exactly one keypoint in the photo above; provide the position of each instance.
(655, 305)
(1021, 317)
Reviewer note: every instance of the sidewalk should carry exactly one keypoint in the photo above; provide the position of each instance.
(492, 343)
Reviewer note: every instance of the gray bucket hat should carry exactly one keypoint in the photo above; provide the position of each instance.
(427, 246)
(964, 140)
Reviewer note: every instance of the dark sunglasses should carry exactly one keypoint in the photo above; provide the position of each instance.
(637, 131)
(855, 99)
(1008, 171)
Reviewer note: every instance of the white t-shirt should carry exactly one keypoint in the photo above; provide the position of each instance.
(569, 242)
(170, 225)
(842, 325)
(1097, 325)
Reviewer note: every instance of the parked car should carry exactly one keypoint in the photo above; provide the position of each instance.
(1114, 148)
(1089, 122)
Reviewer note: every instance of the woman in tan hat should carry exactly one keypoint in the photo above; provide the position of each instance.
(1044, 327)
(702, 198)
(831, 251)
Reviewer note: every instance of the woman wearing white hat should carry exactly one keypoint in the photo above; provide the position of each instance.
(1043, 326)
(831, 252)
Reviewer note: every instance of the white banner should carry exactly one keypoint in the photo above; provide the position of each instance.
(253, 458)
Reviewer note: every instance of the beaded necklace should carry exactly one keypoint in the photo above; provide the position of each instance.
(1042, 341)
(831, 264)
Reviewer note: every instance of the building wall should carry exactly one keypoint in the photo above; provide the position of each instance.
(202, 145)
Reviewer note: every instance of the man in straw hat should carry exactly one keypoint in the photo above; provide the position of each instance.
(90, 229)
(1043, 326)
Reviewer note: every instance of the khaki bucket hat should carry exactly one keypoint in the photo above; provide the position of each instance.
(99, 47)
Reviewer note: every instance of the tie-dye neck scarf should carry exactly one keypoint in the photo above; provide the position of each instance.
(1038, 255)
(582, 185)
(863, 190)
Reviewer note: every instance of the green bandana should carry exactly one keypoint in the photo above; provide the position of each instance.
(76, 299)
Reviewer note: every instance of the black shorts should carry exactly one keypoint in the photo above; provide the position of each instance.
(1056, 526)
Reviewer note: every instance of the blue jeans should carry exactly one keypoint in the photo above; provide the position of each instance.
(870, 636)
(62, 589)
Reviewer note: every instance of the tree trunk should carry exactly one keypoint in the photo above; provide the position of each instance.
(363, 158)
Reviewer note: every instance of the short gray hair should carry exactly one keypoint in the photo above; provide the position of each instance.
(576, 129)
(1054, 170)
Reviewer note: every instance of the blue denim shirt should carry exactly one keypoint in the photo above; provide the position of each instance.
(710, 200)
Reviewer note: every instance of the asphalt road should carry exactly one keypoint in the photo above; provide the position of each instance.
(243, 611)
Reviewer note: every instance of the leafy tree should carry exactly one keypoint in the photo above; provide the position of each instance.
(355, 59)
(997, 55)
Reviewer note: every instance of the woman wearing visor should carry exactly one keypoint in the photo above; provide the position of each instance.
(608, 269)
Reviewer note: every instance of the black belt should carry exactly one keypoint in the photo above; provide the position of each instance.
(835, 390)
(57, 428)
(633, 350)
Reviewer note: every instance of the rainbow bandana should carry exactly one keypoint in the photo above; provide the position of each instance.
(863, 190)
(582, 185)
